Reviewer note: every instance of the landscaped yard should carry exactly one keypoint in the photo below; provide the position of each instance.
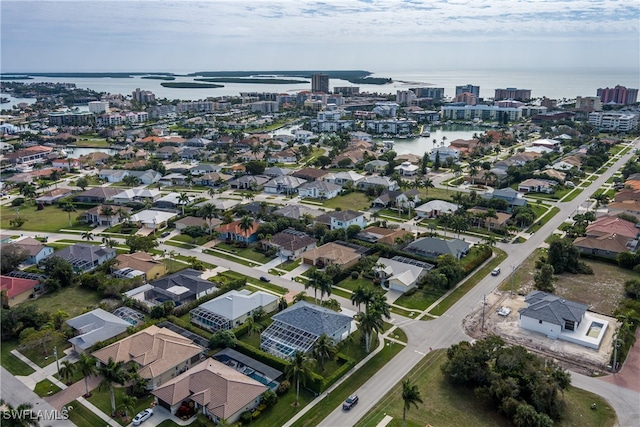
(421, 300)
(353, 284)
(248, 253)
(46, 388)
(354, 201)
(72, 299)
(50, 219)
(290, 265)
(10, 362)
(102, 400)
(447, 405)
(83, 417)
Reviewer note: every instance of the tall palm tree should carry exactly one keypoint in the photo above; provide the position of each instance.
(86, 365)
(55, 176)
(299, 370)
(370, 322)
(246, 225)
(17, 417)
(381, 305)
(107, 211)
(427, 183)
(208, 212)
(113, 373)
(128, 404)
(324, 348)
(362, 295)
(183, 199)
(410, 396)
(87, 235)
(69, 207)
(67, 369)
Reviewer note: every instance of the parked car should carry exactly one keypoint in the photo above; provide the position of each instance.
(265, 279)
(165, 234)
(495, 271)
(142, 416)
(350, 402)
(504, 311)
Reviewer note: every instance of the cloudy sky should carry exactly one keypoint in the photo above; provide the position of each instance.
(389, 35)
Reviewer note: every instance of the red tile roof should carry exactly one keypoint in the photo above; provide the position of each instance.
(15, 286)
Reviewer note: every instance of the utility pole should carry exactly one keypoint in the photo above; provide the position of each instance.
(55, 354)
(513, 276)
(616, 344)
(484, 297)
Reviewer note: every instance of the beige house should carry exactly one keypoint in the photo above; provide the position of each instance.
(332, 253)
(160, 354)
(218, 391)
(142, 262)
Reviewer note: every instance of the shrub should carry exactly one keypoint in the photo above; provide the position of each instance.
(255, 414)
(269, 399)
(245, 417)
(355, 275)
(262, 356)
(18, 201)
(283, 387)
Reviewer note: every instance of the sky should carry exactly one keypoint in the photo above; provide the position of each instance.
(185, 36)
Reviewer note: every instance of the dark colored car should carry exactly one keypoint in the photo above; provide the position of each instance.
(265, 279)
(165, 234)
(350, 402)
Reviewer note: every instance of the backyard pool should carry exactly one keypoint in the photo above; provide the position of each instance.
(594, 329)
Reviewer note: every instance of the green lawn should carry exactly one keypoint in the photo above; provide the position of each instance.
(10, 362)
(102, 400)
(448, 405)
(173, 265)
(46, 388)
(83, 417)
(290, 265)
(569, 197)
(248, 253)
(91, 141)
(543, 220)
(421, 300)
(354, 201)
(228, 256)
(41, 358)
(73, 300)
(352, 284)
(50, 219)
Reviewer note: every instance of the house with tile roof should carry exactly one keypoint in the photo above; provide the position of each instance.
(137, 195)
(232, 309)
(93, 327)
(284, 184)
(607, 245)
(140, 262)
(298, 327)
(310, 174)
(290, 244)
(54, 195)
(333, 253)
(612, 225)
(436, 208)
(233, 232)
(97, 195)
(562, 319)
(218, 391)
(625, 194)
(298, 211)
(387, 236)
(159, 353)
(96, 215)
(16, 290)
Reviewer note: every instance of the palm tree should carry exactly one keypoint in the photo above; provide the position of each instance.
(113, 373)
(324, 348)
(108, 212)
(381, 305)
(69, 207)
(246, 225)
(55, 176)
(208, 212)
(362, 295)
(67, 369)
(183, 199)
(128, 404)
(122, 214)
(299, 370)
(410, 396)
(17, 417)
(370, 322)
(87, 367)
(427, 183)
(87, 235)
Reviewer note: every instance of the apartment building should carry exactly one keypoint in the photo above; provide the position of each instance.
(611, 120)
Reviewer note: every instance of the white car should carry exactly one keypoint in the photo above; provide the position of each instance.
(504, 311)
(142, 416)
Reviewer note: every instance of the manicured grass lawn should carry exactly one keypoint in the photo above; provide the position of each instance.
(228, 256)
(188, 239)
(173, 265)
(536, 226)
(572, 195)
(353, 284)
(50, 219)
(273, 288)
(354, 201)
(248, 253)
(38, 356)
(46, 388)
(83, 417)
(91, 141)
(10, 362)
(290, 265)
(447, 405)
(102, 400)
(73, 300)
(421, 300)
(337, 396)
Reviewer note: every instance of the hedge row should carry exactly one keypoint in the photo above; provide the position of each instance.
(190, 327)
(262, 356)
(347, 364)
(472, 264)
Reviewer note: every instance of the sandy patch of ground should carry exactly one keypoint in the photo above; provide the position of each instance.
(565, 353)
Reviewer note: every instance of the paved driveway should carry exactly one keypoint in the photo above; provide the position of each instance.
(72, 392)
(629, 375)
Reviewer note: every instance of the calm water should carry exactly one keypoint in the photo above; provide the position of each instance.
(565, 83)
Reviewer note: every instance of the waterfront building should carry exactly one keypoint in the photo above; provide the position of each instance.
(320, 83)
(512, 93)
(143, 96)
(97, 107)
(618, 95)
(468, 88)
(612, 120)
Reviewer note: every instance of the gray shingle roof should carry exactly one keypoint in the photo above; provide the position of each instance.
(312, 318)
(552, 309)
(94, 326)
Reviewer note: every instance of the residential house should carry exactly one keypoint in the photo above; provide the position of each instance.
(212, 179)
(152, 219)
(633, 181)
(625, 194)
(480, 218)
(612, 225)
(233, 232)
(159, 354)
(84, 257)
(344, 178)
(291, 244)
(386, 199)
(168, 152)
(310, 174)
(147, 177)
(16, 289)
(205, 168)
(298, 328)
(436, 208)
(547, 143)
(113, 175)
(511, 196)
(553, 175)
(386, 236)
(93, 327)
(400, 273)
(181, 287)
(464, 146)
(53, 196)
(137, 195)
(232, 309)
(171, 201)
(342, 219)
(131, 153)
(407, 169)
(35, 250)
(29, 155)
(607, 245)
(351, 157)
(197, 142)
(95, 158)
(275, 171)
(377, 181)
(283, 184)
(97, 215)
(191, 153)
(173, 179)
(298, 211)
(97, 195)
(324, 190)
(630, 207)
(284, 156)
(334, 253)
(141, 262)
(558, 318)
(376, 166)
(444, 153)
(533, 185)
(431, 247)
(249, 182)
(219, 392)
(66, 164)
(408, 157)
(567, 163)
(192, 221)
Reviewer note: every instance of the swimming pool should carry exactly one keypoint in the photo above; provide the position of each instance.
(594, 329)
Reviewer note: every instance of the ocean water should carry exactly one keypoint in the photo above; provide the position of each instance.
(552, 83)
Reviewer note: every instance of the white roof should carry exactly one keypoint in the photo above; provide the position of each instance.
(177, 289)
(235, 304)
(437, 205)
(150, 216)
